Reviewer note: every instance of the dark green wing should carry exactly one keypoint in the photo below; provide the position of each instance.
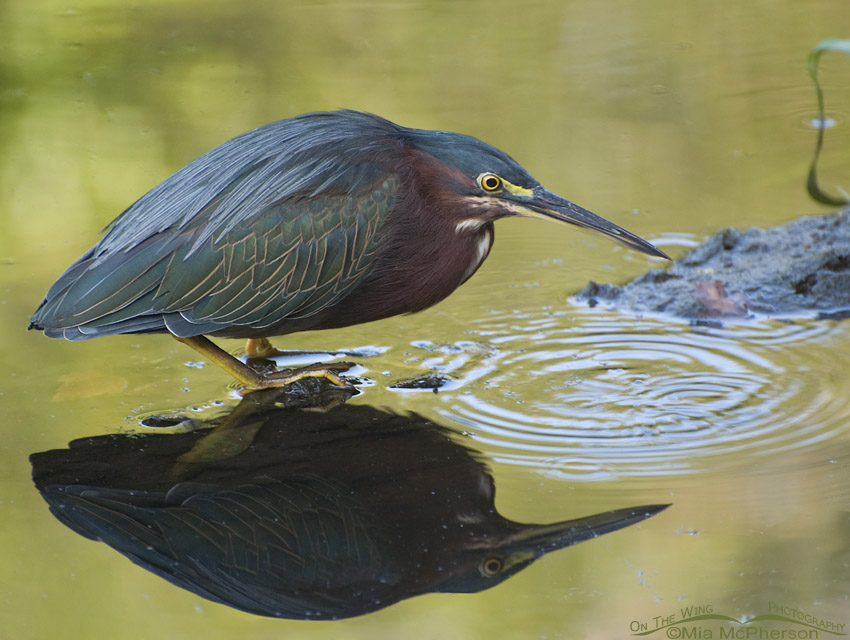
(272, 226)
(288, 262)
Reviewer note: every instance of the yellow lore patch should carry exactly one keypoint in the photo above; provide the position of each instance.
(517, 190)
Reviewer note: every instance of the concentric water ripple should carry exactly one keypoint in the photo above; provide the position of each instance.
(600, 394)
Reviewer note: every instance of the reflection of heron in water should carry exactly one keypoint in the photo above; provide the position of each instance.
(320, 516)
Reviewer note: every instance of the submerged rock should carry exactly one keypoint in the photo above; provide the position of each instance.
(429, 381)
(799, 268)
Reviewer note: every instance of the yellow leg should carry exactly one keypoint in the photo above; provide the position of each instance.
(261, 348)
(251, 379)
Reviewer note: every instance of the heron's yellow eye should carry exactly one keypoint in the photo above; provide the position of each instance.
(489, 182)
(492, 565)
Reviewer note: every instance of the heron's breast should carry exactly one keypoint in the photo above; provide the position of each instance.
(482, 250)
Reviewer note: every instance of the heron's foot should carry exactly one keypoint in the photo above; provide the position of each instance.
(251, 379)
(337, 367)
(286, 377)
(269, 367)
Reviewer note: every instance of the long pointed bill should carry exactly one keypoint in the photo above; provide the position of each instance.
(549, 206)
(538, 539)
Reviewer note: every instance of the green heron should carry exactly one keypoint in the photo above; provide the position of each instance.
(320, 221)
(327, 515)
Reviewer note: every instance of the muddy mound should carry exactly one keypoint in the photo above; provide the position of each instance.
(801, 268)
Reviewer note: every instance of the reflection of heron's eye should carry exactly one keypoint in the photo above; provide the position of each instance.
(490, 181)
(491, 566)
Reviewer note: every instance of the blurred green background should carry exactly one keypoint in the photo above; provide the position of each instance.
(672, 118)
